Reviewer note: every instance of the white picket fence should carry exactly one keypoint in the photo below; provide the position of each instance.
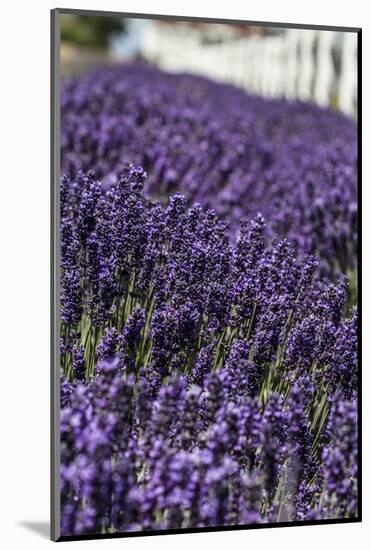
(319, 66)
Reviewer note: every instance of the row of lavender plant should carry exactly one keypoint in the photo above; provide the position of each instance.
(294, 162)
(206, 381)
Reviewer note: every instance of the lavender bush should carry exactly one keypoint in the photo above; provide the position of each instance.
(207, 379)
(293, 162)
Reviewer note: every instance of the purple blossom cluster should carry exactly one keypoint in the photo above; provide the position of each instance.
(294, 162)
(206, 380)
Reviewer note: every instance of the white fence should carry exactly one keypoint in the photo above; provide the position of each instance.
(320, 66)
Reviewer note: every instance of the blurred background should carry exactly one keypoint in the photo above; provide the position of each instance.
(318, 66)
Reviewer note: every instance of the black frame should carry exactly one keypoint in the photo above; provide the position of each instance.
(55, 272)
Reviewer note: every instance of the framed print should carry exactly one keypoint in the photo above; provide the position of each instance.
(205, 275)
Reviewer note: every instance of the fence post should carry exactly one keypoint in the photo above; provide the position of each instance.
(348, 75)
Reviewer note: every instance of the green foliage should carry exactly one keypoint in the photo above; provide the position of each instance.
(90, 31)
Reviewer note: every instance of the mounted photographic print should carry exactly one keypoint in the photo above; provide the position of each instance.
(205, 217)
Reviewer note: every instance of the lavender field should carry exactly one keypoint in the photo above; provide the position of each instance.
(208, 306)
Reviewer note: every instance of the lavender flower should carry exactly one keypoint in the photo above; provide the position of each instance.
(209, 361)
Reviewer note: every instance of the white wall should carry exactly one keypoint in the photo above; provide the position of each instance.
(24, 300)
